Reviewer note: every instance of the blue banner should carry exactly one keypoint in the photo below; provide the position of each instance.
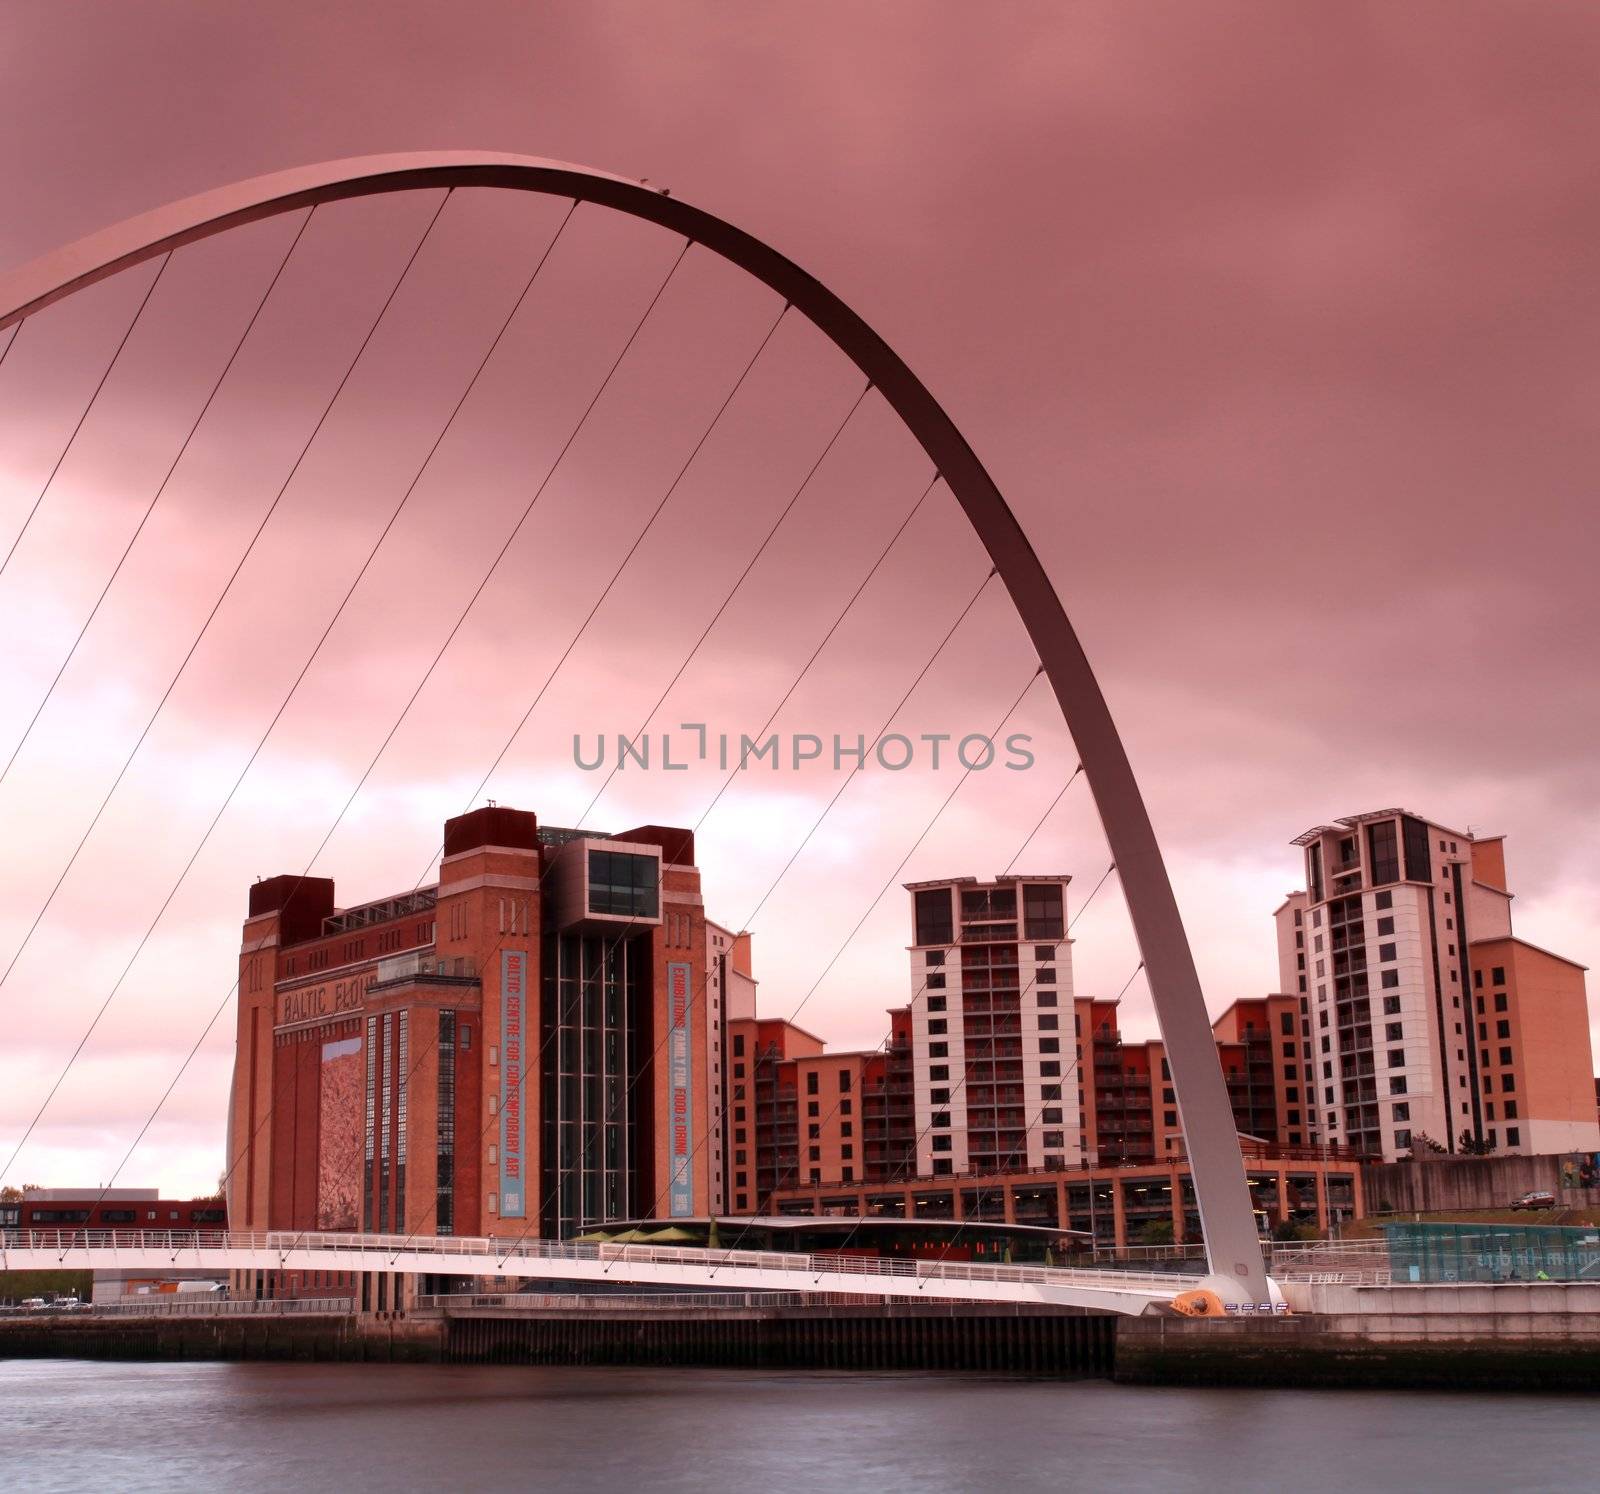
(513, 1137)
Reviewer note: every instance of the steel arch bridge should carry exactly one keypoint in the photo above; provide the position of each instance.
(1233, 1249)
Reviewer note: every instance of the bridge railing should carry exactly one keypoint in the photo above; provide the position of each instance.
(637, 1301)
(384, 1252)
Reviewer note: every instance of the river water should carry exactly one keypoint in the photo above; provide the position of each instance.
(74, 1425)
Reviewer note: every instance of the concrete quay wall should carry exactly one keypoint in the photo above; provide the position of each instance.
(1413, 1345)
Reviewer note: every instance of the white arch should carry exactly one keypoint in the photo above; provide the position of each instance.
(1216, 1164)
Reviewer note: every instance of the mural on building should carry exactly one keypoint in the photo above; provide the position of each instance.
(339, 1148)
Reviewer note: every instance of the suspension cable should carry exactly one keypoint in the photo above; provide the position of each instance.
(938, 650)
(172, 684)
(627, 928)
(150, 508)
(871, 906)
(632, 338)
(527, 1068)
(427, 460)
(144, 301)
(910, 1160)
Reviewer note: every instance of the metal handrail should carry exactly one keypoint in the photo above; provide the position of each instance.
(199, 1304)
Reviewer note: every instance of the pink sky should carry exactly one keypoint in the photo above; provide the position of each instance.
(1275, 322)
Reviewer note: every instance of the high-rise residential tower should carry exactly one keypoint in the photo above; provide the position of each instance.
(996, 1083)
(1421, 1013)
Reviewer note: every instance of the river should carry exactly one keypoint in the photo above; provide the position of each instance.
(73, 1425)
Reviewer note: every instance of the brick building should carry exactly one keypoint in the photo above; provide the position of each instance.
(529, 1046)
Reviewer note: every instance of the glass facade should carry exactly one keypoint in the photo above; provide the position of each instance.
(444, 1211)
(1383, 853)
(1042, 913)
(624, 884)
(595, 1021)
(935, 921)
(369, 1128)
(1419, 858)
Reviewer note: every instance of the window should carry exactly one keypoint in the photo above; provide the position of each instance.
(934, 956)
(812, 1082)
(1477, 977)
(1383, 900)
(1419, 859)
(1051, 1066)
(1385, 926)
(1397, 1085)
(1050, 1115)
(1044, 952)
(939, 1071)
(1383, 852)
(1513, 1136)
(1505, 1055)
(936, 1004)
(1049, 1022)
(935, 917)
(938, 1050)
(1286, 1023)
(938, 1025)
(1502, 1029)
(1054, 1140)
(1511, 1110)
(1046, 975)
(1402, 1110)
(1397, 1058)
(814, 1132)
(1402, 1139)
(738, 1045)
(1288, 1050)
(1169, 1117)
(624, 884)
(844, 1081)
(935, 982)
(1041, 912)
(1394, 1032)
(941, 1119)
(1386, 952)
(1500, 1003)
(1390, 978)
(813, 1107)
(1045, 998)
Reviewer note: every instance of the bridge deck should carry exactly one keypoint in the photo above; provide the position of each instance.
(642, 1265)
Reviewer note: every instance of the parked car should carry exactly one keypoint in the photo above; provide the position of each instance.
(1539, 1198)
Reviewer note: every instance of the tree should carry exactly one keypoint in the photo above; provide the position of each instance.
(1471, 1147)
(1422, 1144)
(12, 1195)
(1156, 1232)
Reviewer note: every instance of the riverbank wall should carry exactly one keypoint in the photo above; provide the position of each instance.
(1414, 1343)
